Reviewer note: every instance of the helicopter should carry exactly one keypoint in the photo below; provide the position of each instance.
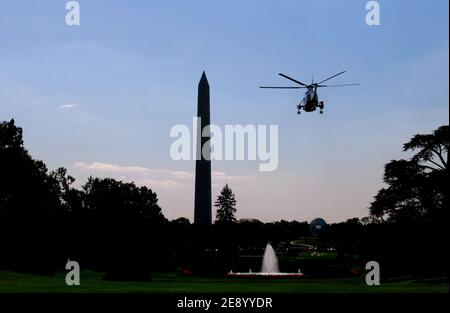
(311, 101)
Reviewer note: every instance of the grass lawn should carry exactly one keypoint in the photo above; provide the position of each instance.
(174, 283)
(318, 255)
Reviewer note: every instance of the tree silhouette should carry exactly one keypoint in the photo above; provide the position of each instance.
(416, 187)
(29, 205)
(226, 204)
(127, 220)
(432, 149)
(118, 227)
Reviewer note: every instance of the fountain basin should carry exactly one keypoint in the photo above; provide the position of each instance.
(265, 275)
(269, 268)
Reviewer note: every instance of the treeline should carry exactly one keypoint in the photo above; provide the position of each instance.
(118, 227)
(106, 225)
(44, 220)
(407, 228)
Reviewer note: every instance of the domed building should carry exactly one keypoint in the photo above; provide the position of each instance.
(317, 225)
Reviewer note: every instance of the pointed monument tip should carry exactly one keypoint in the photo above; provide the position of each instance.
(203, 79)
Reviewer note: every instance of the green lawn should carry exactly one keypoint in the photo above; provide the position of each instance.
(318, 255)
(174, 283)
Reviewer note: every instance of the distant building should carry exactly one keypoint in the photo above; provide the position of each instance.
(317, 225)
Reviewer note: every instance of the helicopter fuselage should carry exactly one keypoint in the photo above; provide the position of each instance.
(311, 101)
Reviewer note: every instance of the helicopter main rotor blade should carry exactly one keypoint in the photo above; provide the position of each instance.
(331, 77)
(341, 85)
(294, 80)
(269, 87)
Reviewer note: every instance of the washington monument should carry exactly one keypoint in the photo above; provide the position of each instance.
(202, 206)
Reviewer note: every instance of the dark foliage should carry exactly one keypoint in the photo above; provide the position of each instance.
(226, 206)
(119, 228)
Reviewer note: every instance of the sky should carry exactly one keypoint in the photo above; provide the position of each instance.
(101, 98)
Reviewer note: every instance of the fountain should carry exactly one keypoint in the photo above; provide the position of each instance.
(270, 261)
(269, 267)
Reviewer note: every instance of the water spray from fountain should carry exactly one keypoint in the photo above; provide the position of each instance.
(270, 261)
(269, 267)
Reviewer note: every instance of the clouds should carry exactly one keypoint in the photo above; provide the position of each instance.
(175, 188)
(221, 178)
(182, 174)
(105, 167)
(161, 178)
(68, 106)
(140, 175)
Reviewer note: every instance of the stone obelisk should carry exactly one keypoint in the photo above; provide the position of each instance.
(202, 205)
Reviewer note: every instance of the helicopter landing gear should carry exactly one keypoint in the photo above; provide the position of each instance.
(321, 106)
(299, 108)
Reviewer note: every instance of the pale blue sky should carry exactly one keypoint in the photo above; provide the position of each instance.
(132, 69)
